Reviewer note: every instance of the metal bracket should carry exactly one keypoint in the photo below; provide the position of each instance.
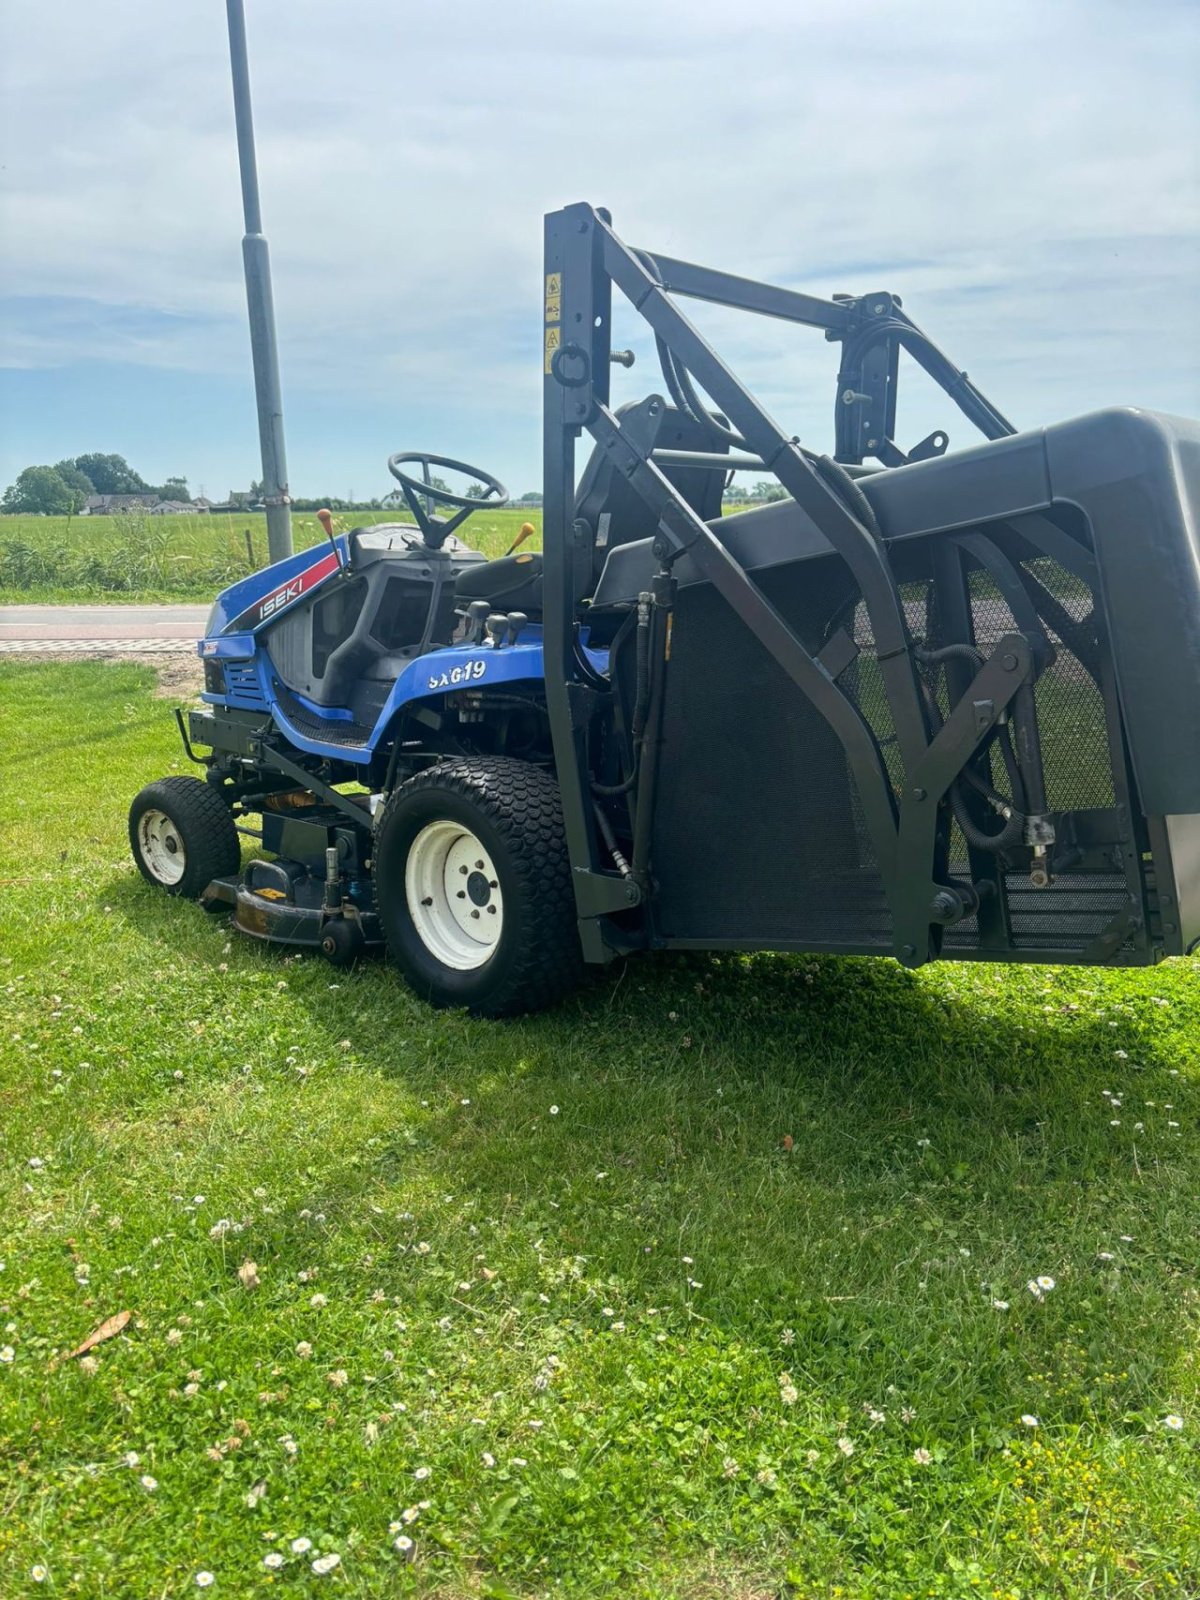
(599, 894)
(964, 730)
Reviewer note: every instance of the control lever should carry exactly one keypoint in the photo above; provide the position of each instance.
(325, 518)
(516, 622)
(496, 624)
(477, 613)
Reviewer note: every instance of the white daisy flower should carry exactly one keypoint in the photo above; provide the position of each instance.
(324, 1564)
(204, 1580)
(1029, 1420)
(1174, 1422)
(301, 1546)
(148, 1483)
(272, 1561)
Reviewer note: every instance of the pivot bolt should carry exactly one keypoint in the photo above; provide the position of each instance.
(1009, 662)
(919, 794)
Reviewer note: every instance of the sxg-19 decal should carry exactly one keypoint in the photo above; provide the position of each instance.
(469, 672)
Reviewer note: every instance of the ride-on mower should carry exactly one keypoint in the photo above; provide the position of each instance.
(926, 705)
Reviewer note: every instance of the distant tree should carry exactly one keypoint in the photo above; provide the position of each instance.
(78, 482)
(175, 489)
(533, 498)
(41, 490)
(765, 490)
(476, 491)
(111, 475)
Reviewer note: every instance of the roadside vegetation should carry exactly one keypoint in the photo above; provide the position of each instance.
(734, 1277)
(179, 558)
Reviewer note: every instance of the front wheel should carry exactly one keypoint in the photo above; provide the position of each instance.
(473, 887)
(182, 836)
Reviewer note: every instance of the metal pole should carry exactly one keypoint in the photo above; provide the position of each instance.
(257, 263)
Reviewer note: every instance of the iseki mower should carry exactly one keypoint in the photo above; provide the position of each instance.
(926, 705)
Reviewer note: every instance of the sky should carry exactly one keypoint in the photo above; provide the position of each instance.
(1026, 176)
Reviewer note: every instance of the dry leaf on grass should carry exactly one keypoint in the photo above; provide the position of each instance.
(248, 1273)
(108, 1329)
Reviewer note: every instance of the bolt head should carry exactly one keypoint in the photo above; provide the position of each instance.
(1009, 663)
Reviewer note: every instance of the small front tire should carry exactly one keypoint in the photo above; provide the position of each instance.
(472, 884)
(182, 836)
(342, 942)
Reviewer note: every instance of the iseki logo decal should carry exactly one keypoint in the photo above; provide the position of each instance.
(281, 597)
(287, 594)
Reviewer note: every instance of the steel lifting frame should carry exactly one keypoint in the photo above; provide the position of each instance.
(584, 258)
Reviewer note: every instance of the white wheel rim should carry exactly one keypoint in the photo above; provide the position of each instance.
(161, 844)
(453, 894)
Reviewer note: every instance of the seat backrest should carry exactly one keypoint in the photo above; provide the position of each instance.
(617, 514)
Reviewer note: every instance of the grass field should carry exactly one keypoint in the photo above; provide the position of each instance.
(46, 560)
(711, 1284)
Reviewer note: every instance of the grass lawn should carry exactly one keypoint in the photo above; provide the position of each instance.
(711, 1284)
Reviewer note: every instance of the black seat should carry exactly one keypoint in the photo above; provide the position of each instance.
(511, 583)
(615, 514)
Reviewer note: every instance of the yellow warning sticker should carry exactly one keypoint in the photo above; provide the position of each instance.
(554, 297)
(553, 340)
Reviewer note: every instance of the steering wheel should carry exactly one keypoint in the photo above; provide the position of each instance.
(420, 491)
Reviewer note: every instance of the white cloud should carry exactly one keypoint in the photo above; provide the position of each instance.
(1031, 172)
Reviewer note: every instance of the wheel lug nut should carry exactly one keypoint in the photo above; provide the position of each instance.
(475, 914)
(462, 895)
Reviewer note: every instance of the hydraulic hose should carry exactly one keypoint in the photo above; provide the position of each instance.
(641, 704)
(1013, 831)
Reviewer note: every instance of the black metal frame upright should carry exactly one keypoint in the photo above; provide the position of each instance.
(584, 258)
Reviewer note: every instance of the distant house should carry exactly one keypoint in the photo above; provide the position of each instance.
(107, 505)
(201, 504)
(174, 508)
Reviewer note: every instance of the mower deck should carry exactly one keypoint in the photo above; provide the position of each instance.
(292, 912)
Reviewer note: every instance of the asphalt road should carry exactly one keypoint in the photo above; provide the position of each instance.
(99, 630)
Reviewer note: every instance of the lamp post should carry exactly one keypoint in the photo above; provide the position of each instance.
(257, 263)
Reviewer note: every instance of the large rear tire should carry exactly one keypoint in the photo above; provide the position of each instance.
(182, 836)
(472, 885)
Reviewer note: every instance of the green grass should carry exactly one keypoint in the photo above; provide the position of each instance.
(625, 1335)
(48, 560)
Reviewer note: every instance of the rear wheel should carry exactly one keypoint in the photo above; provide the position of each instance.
(473, 887)
(182, 836)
